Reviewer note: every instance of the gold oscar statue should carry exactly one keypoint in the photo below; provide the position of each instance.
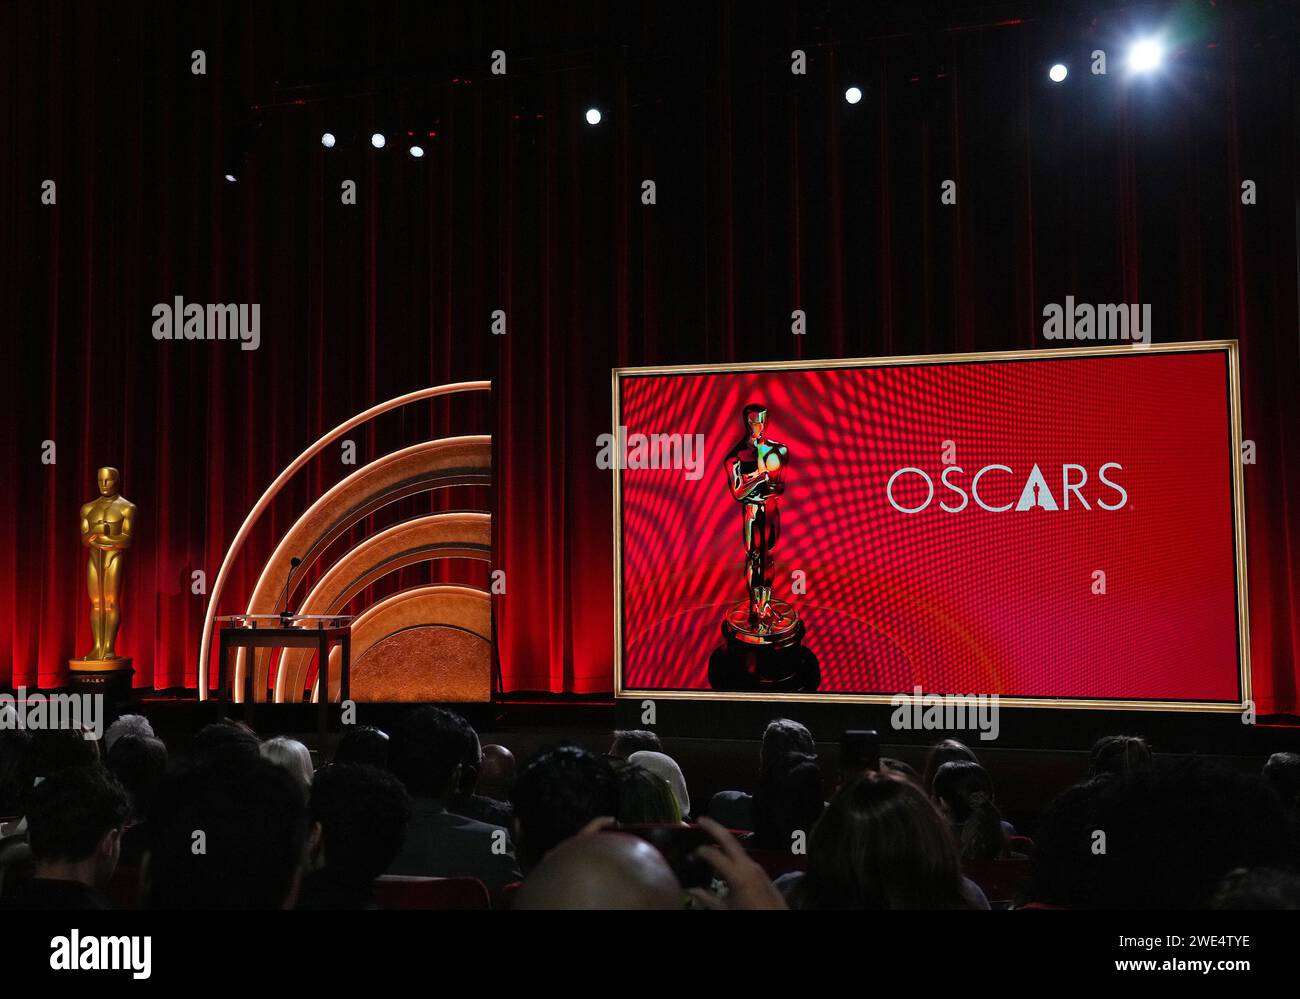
(107, 528)
(763, 637)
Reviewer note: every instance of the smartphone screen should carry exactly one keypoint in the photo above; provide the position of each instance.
(860, 750)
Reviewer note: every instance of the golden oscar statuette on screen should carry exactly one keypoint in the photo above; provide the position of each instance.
(107, 529)
(763, 637)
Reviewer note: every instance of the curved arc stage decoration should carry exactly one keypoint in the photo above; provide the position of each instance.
(419, 468)
(420, 539)
(435, 464)
(421, 610)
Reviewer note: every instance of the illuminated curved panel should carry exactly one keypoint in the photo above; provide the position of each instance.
(421, 539)
(429, 465)
(421, 640)
(422, 662)
(241, 536)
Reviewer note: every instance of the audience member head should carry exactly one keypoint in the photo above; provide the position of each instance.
(781, 738)
(293, 756)
(947, 751)
(666, 768)
(467, 773)
(359, 815)
(789, 800)
(496, 775)
(558, 792)
(127, 725)
(253, 819)
(74, 825)
(1172, 834)
(644, 797)
(1282, 771)
(1116, 755)
(899, 767)
(15, 769)
(1259, 889)
(138, 762)
(429, 747)
(604, 870)
(964, 793)
(1062, 863)
(55, 749)
(634, 740)
(363, 744)
(881, 844)
(226, 741)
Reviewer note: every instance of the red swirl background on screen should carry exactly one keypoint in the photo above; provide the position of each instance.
(971, 601)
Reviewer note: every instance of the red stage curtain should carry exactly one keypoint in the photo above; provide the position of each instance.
(772, 194)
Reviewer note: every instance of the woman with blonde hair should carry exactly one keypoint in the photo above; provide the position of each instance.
(293, 756)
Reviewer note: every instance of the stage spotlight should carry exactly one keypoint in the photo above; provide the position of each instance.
(853, 95)
(377, 140)
(230, 177)
(417, 151)
(593, 116)
(1058, 72)
(327, 140)
(1145, 55)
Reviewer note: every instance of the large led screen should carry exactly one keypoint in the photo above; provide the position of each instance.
(1052, 526)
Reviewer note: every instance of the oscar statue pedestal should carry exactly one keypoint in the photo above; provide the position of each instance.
(108, 677)
(771, 658)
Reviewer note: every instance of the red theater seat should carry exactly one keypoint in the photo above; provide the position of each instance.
(394, 891)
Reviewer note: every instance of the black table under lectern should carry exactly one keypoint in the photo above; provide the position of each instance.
(281, 631)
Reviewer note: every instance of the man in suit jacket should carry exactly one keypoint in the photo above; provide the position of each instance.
(428, 749)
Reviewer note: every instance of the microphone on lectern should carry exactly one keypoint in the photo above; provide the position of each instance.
(285, 616)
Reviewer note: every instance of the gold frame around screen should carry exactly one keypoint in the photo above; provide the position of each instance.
(1228, 347)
